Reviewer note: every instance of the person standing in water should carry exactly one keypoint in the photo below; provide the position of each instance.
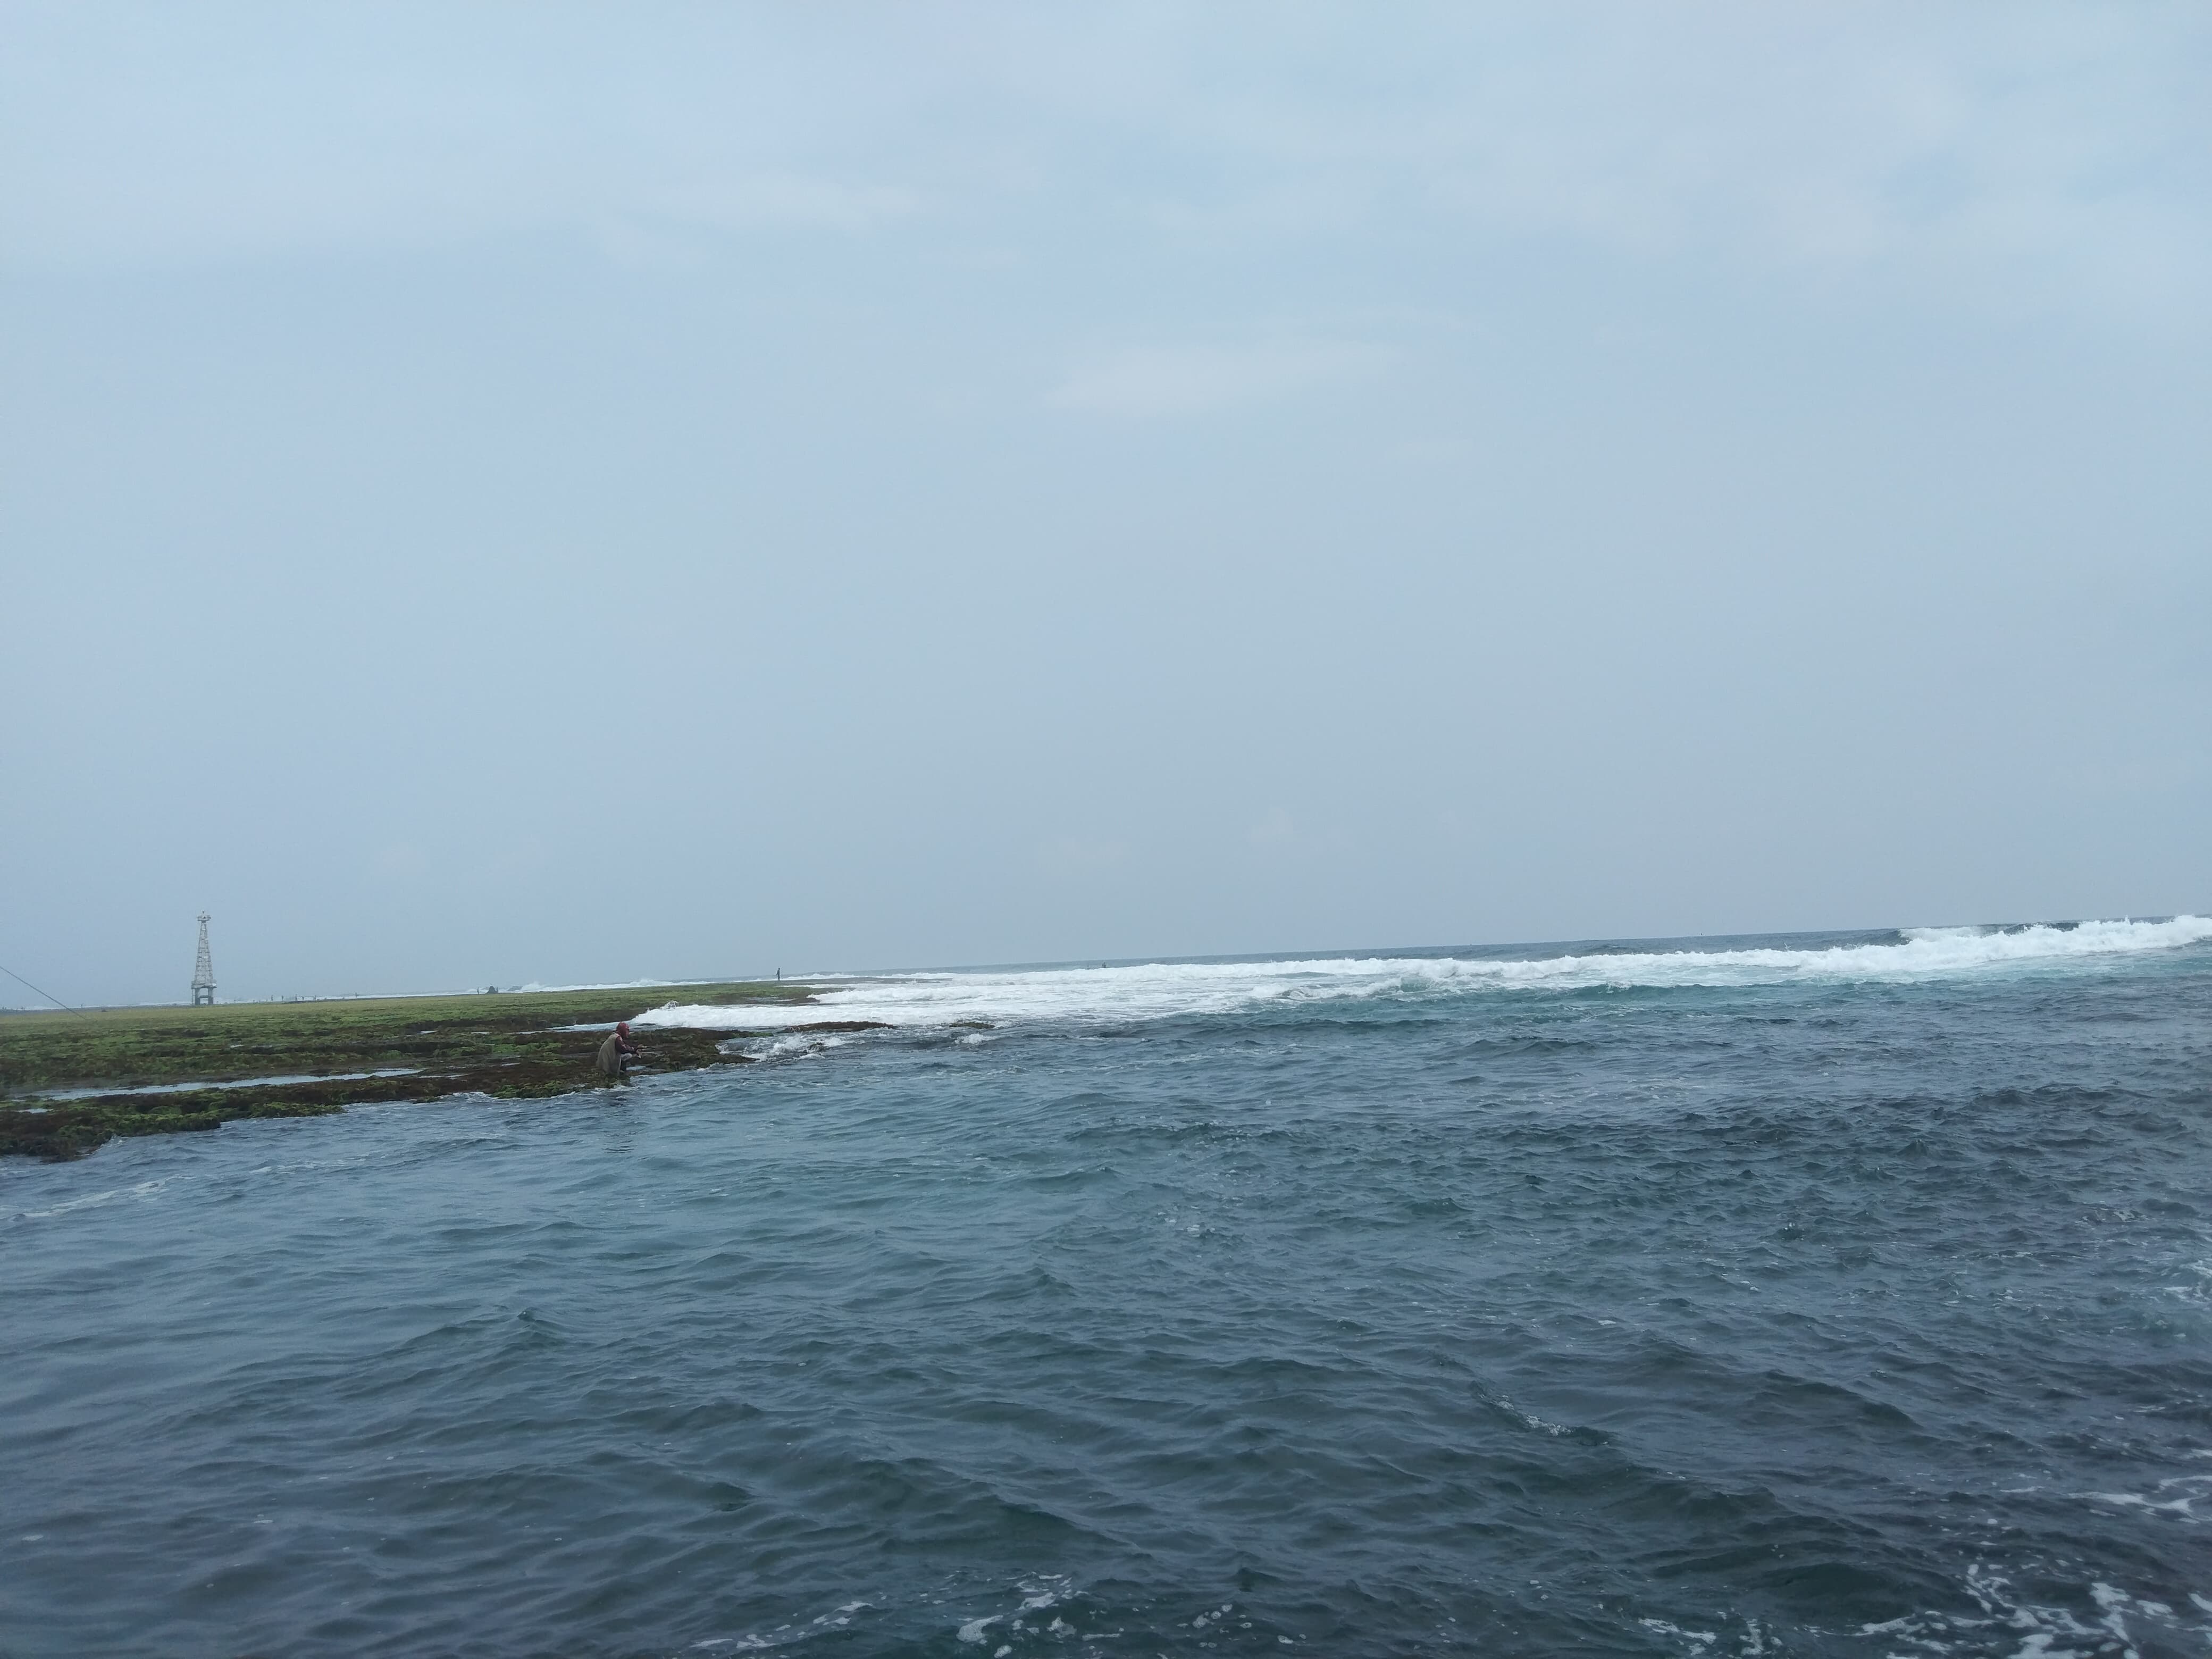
(615, 1053)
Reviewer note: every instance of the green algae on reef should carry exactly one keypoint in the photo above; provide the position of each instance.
(510, 1044)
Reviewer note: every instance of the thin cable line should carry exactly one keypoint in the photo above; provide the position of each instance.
(48, 995)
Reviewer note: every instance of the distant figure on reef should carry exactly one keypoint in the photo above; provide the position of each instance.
(615, 1053)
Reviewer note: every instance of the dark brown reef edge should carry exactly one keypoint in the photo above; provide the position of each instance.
(507, 1044)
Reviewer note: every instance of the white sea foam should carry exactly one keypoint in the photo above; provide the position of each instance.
(2043, 1631)
(2177, 1496)
(1161, 990)
(1036, 1595)
(93, 1200)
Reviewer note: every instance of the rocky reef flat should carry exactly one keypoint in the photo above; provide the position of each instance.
(71, 1081)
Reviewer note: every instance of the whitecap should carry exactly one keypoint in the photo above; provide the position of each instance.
(1148, 991)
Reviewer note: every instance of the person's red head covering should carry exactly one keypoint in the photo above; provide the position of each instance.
(622, 1026)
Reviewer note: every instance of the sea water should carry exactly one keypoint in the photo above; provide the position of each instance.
(1846, 1295)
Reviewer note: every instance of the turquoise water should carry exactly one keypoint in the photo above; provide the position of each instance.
(1844, 1295)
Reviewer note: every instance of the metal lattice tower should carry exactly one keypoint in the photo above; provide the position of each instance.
(204, 971)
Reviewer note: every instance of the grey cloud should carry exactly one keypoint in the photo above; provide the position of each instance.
(531, 493)
(1979, 146)
(1179, 381)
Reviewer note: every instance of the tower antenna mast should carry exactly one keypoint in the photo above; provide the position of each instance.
(204, 971)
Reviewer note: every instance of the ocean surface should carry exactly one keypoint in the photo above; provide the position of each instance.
(1834, 1295)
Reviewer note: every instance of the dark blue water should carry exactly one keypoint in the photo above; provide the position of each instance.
(1853, 1316)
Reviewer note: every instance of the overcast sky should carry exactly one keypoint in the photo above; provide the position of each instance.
(531, 493)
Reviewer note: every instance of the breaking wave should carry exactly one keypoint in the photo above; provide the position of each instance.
(1162, 990)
